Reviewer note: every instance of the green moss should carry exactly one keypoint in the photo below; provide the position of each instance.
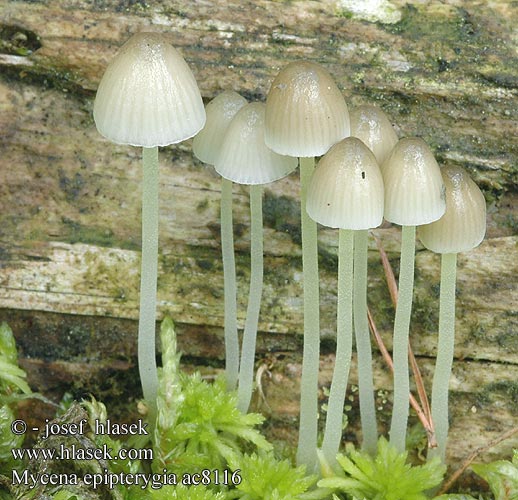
(425, 308)
(205, 264)
(416, 23)
(346, 14)
(282, 213)
(91, 235)
(114, 277)
(327, 259)
(202, 205)
(378, 297)
(506, 390)
(18, 41)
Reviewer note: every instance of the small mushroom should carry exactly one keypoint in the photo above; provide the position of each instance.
(148, 97)
(414, 195)
(206, 146)
(372, 126)
(245, 159)
(460, 229)
(346, 192)
(305, 115)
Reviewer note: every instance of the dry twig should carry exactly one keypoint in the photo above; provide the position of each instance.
(432, 443)
(469, 460)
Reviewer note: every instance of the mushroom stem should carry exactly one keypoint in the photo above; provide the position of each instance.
(148, 278)
(246, 369)
(230, 287)
(307, 443)
(344, 345)
(400, 408)
(363, 344)
(443, 364)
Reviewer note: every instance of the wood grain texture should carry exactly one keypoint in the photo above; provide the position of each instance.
(70, 201)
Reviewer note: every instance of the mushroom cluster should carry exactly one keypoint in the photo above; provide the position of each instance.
(148, 97)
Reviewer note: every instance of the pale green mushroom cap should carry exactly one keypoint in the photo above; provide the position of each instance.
(305, 111)
(148, 95)
(244, 157)
(346, 189)
(220, 112)
(463, 225)
(372, 126)
(414, 190)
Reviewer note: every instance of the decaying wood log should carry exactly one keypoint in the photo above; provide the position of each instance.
(70, 201)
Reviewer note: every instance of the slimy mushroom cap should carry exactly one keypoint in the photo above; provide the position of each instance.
(220, 112)
(148, 95)
(463, 225)
(414, 190)
(346, 189)
(305, 111)
(244, 157)
(372, 126)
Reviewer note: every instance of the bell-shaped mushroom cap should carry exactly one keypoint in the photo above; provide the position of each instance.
(305, 112)
(463, 225)
(371, 125)
(148, 95)
(220, 112)
(346, 189)
(244, 157)
(414, 191)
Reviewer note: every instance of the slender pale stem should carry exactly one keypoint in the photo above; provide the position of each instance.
(400, 408)
(344, 346)
(229, 278)
(148, 278)
(363, 344)
(427, 424)
(246, 369)
(443, 364)
(307, 444)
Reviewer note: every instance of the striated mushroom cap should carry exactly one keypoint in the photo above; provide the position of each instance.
(148, 95)
(346, 189)
(305, 112)
(371, 125)
(220, 112)
(463, 225)
(244, 157)
(414, 191)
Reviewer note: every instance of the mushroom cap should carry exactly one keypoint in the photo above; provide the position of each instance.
(414, 190)
(372, 126)
(220, 112)
(463, 225)
(305, 112)
(346, 189)
(148, 95)
(244, 157)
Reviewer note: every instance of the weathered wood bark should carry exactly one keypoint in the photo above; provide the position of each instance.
(70, 201)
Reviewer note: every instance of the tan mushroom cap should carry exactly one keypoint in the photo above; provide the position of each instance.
(371, 125)
(346, 189)
(414, 190)
(148, 95)
(305, 111)
(220, 112)
(244, 157)
(463, 225)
